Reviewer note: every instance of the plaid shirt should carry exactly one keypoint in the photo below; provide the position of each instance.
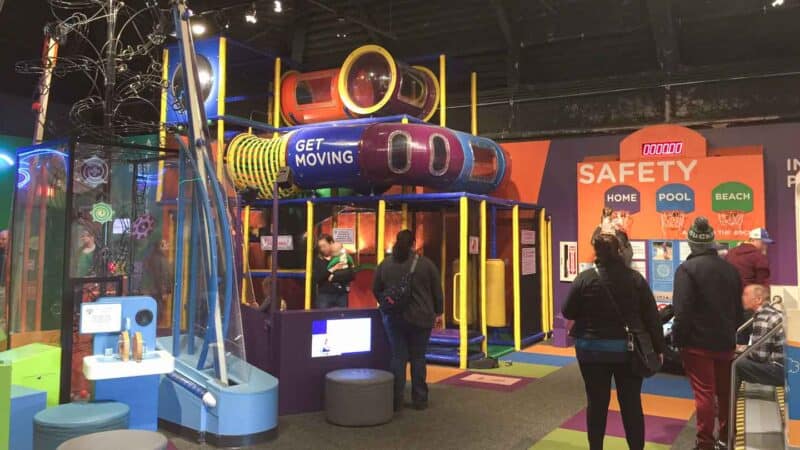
(765, 319)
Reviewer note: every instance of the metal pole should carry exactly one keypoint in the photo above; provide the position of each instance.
(274, 285)
(111, 65)
(49, 55)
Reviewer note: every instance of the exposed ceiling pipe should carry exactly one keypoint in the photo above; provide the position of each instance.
(363, 24)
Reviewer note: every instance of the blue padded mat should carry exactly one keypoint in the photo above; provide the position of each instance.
(668, 385)
(534, 358)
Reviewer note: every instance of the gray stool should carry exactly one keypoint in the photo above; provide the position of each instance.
(359, 397)
(54, 426)
(118, 440)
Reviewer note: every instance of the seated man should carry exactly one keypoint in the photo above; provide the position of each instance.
(764, 365)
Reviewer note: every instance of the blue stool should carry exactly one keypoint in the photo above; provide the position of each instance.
(54, 426)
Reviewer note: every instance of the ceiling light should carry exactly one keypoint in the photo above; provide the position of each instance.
(198, 28)
(278, 6)
(777, 3)
(251, 16)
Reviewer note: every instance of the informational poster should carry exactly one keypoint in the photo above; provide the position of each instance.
(639, 250)
(641, 267)
(662, 180)
(345, 236)
(664, 259)
(568, 257)
(285, 243)
(474, 245)
(101, 318)
(528, 266)
(684, 250)
(527, 237)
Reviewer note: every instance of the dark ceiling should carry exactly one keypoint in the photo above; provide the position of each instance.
(512, 44)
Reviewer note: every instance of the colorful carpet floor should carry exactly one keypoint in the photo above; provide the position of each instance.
(666, 399)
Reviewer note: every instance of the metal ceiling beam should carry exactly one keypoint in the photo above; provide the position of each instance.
(664, 34)
(299, 29)
(363, 23)
(511, 36)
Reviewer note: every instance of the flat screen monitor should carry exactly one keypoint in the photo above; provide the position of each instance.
(337, 337)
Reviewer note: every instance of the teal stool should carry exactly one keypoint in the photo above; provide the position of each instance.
(52, 427)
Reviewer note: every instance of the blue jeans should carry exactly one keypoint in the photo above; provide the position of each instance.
(326, 300)
(408, 344)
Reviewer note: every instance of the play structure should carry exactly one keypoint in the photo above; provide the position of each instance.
(169, 236)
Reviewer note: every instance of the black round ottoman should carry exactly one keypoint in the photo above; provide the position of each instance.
(359, 397)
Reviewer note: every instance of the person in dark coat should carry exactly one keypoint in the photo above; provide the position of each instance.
(707, 301)
(330, 282)
(750, 258)
(601, 339)
(410, 330)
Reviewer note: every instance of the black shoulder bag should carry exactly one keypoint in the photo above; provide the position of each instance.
(644, 359)
(395, 298)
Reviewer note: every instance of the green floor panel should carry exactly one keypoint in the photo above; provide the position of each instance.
(496, 351)
(521, 370)
(562, 439)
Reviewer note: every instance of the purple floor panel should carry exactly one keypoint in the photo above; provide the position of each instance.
(659, 430)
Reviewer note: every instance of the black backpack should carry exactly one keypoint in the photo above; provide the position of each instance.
(395, 298)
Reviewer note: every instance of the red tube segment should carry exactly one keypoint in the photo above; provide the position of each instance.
(369, 83)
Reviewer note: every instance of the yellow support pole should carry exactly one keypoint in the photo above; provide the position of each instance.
(162, 130)
(223, 76)
(549, 276)
(405, 215)
(381, 247)
(463, 320)
(473, 95)
(310, 238)
(246, 252)
(443, 90)
(542, 263)
(484, 329)
(276, 97)
(517, 300)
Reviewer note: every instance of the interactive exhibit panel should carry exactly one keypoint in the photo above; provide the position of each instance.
(665, 177)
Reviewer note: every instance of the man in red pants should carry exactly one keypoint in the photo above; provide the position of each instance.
(708, 309)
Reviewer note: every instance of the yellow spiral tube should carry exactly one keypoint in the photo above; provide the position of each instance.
(254, 162)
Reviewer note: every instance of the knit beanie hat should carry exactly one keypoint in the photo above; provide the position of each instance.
(701, 232)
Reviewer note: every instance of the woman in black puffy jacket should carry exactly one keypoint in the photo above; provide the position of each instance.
(601, 344)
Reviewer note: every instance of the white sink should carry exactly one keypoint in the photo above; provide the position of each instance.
(101, 367)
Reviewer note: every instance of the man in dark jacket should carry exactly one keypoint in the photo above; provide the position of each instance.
(708, 309)
(750, 258)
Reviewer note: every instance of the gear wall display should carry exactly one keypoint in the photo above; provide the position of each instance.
(102, 212)
(655, 196)
(93, 171)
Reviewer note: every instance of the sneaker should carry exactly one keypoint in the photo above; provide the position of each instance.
(721, 445)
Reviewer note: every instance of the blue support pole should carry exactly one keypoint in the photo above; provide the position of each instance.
(178, 286)
(195, 256)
